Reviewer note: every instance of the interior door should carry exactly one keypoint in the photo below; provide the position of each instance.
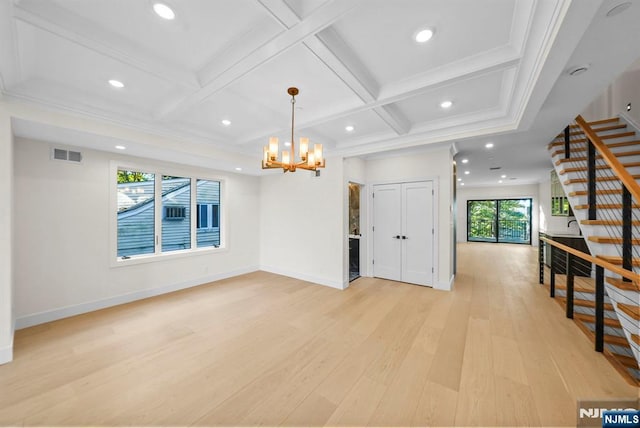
(387, 231)
(417, 233)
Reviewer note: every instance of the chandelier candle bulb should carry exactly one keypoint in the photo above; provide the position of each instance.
(304, 148)
(285, 157)
(317, 153)
(273, 148)
(311, 159)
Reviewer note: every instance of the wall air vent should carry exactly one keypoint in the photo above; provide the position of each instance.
(66, 155)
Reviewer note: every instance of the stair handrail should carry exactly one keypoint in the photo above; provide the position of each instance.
(595, 260)
(611, 159)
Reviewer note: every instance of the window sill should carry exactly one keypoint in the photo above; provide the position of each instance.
(152, 258)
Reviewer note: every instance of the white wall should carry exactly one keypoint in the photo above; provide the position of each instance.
(435, 164)
(498, 192)
(302, 226)
(549, 223)
(62, 236)
(6, 238)
(613, 101)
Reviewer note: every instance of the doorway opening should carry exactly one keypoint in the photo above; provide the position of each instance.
(354, 231)
(499, 220)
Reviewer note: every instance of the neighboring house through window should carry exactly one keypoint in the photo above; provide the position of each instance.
(142, 230)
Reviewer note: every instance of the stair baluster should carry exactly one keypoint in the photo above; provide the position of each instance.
(570, 280)
(599, 308)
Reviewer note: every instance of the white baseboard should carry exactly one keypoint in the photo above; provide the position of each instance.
(444, 285)
(339, 284)
(6, 352)
(630, 120)
(69, 311)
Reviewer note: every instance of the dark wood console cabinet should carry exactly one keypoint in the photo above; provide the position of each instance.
(581, 267)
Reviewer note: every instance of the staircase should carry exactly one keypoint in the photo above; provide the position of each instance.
(601, 223)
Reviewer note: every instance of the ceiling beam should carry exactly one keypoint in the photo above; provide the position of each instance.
(338, 57)
(323, 17)
(61, 23)
(393, 117)
(10, 72)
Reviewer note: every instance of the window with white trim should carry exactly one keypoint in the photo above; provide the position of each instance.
(187, 216)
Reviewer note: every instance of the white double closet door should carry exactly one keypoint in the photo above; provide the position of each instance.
(403, 232)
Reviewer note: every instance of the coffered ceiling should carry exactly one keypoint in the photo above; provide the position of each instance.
(356, 62)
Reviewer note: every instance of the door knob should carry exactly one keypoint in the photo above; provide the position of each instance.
(404, 237)
(396, 237)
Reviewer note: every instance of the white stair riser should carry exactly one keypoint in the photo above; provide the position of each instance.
(583, 153)
(582, 163)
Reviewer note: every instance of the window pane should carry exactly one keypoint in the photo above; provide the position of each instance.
(208, 195)
(203, 216)
(136, 208)
(481, 217)
(176, 217)
(215, 216)
(514, 223)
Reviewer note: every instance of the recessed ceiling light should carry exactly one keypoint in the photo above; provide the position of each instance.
(116, 83)
(446, 104)
(499, 181)
(619, 9)
(424, 36)
(489, 145)
(503, 176)
(164, 11)
(225, 122)
(462, 184)
(465, 160)
(459, 179)
(467, 173)
(120, 147)
(287, 143)
(238, 168)
(349, 128)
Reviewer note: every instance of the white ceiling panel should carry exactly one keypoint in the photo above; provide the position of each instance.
(469, 96)
(68, 65)
(321, 92)
(382, 34)
(304, 8)
(200, 30)
(367, 125)
(248, 118)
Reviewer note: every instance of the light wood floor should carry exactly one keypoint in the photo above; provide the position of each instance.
(261, 349)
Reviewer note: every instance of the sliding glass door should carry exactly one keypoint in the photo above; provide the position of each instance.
(499, 220)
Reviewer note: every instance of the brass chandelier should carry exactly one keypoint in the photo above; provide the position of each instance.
(309, 160)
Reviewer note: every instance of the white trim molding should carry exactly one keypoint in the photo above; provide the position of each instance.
(337, 284)
(444, 285)
(82, 308)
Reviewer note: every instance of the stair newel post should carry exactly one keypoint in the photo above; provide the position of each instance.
(552, 280)
(591, 171)
(567, 142)
(569, 285)
(626, 230)
(599, 308)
